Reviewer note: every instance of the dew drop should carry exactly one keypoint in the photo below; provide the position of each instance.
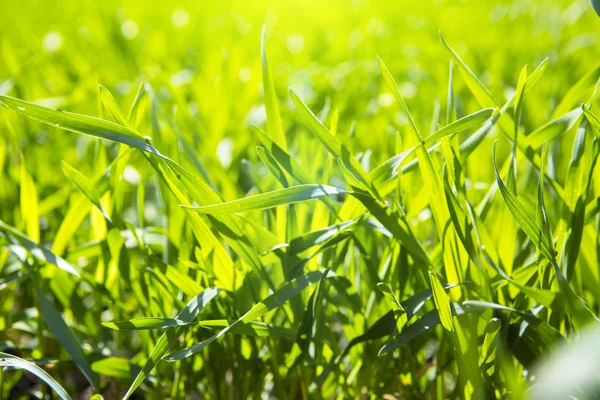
(21, 108)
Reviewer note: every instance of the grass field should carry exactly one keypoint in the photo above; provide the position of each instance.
(312, 199)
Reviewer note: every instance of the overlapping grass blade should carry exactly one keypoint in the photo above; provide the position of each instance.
(275, 300)
(290, 195)
(10, 361)
(37, 250)
(145, 323)
(65, 337)
(82, 183)
(167, 340)
(274, 125)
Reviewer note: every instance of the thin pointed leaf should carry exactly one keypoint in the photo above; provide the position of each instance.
(294, 194)
(274, 125)
(167, 340)
(65, 337)
(442, 302)
(275, 300)
(10, 361)
(145, 323)
(37, 250)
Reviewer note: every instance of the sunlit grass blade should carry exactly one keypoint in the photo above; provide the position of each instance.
(146, 323)
(85, 185)
(10, 361)
(523, 218)
(576, 93)
(80, 123)
(115, 367)
(442, 302)
(269, 161)
(29, 204)
(37, 250)
(433, 186)
(490, 342)
(112, 106)
(423, 325)
(274, 125)
(284, 159)
(139, 105)
(594, 120)
(480, 91)
(542, 214)
(320, 236)
(553, 129)
(465, 123)
(390, 219)
(385, 174)
(290, 195)
(282, 295)
(65, 337)
(333, 144)
(384, 326)
(254, 328)
(167, 340)
(536, 235)
(547, 333)
(309, 318)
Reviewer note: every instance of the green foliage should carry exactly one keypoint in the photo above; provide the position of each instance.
(185, 214)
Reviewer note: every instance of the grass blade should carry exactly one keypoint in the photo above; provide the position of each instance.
(65, 337)
(145, 323)
(38, 251)
(294, 194)
(275, 300)
(442, 302)
(8, 360)
(274, 125)
(167, 340)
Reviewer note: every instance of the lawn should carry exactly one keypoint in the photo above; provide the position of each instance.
(300, 200)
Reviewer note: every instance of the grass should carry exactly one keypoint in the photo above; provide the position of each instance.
(354, 201)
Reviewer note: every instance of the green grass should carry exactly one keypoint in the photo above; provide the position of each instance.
(358, 200)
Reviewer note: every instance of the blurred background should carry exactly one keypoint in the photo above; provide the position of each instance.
(209, 53)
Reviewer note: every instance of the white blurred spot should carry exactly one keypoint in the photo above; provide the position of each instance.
(375, 27)
(245, 74)
(244, 27)
(354, 39)
(180, 18)
(424, 215)
(150, 211)
(408, 89)
(400, 118)
(271, 18)
(385, 100)
(131, 175)
(257, 115)
(182, 77)
(129, 29)
(52, 41)
(295, 43)
(224, 150)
